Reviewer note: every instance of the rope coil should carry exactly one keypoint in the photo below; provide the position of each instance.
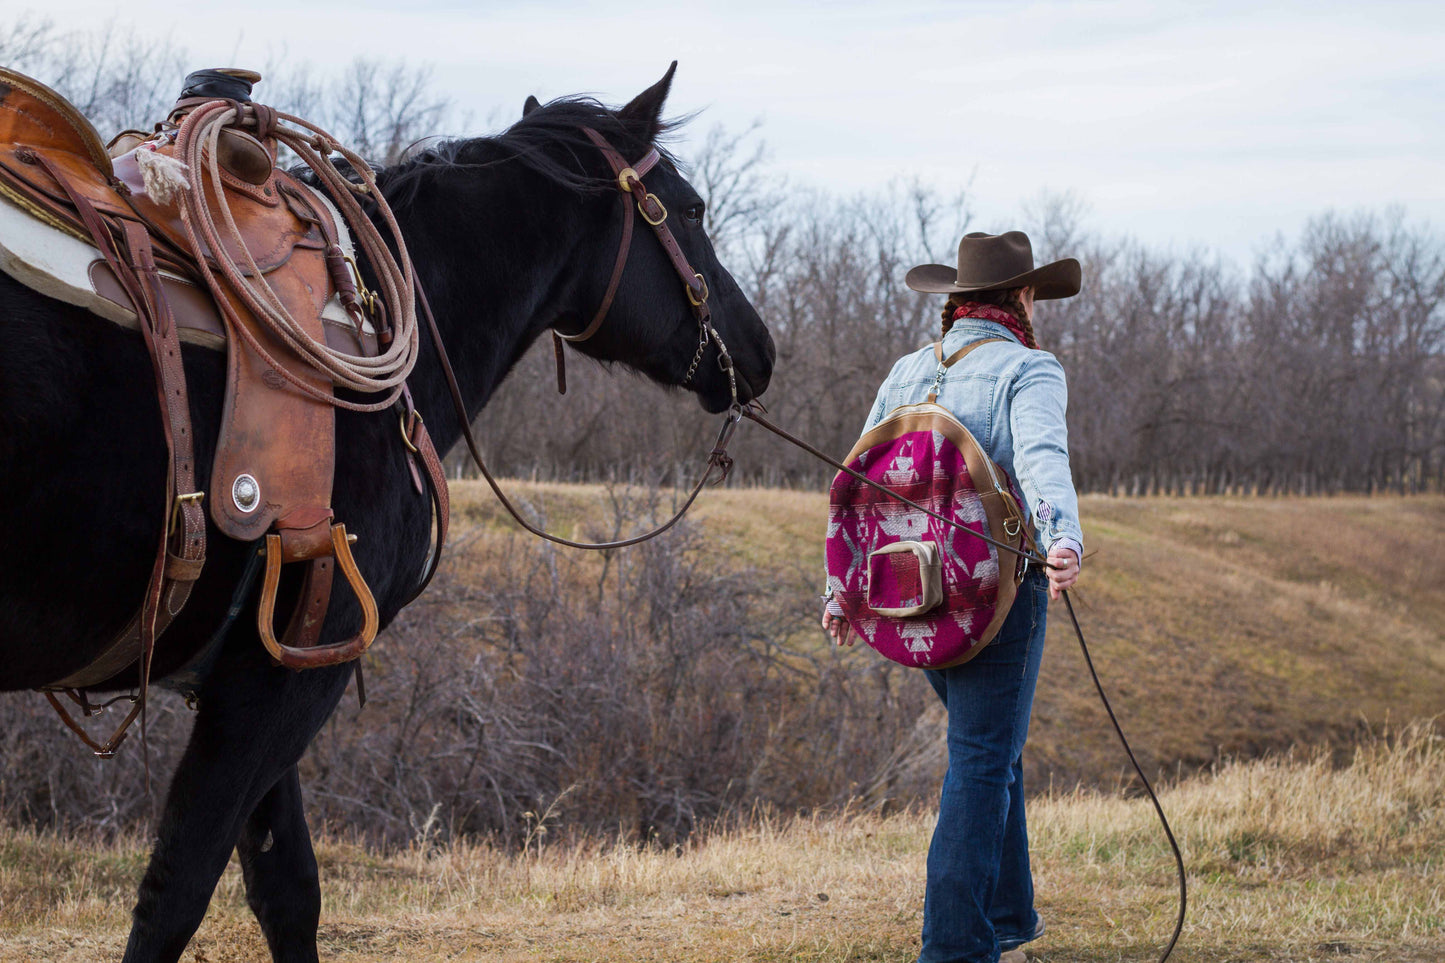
(197, 146)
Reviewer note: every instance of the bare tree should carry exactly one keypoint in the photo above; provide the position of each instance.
(1320, 368)
(116, 76)
(121, 78)
(380, 109)
(730, 171)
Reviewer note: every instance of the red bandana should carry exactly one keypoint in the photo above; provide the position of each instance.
(992, 312)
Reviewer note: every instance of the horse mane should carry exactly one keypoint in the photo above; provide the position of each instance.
(549, 141)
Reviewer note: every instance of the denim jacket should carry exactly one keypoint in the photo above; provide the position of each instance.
(1013, 399)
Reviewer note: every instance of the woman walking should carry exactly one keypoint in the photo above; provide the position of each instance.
(1011, 395)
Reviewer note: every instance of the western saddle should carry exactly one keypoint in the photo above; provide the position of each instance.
(192, 234)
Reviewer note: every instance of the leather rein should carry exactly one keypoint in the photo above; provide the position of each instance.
(636, 200)
(629, 182)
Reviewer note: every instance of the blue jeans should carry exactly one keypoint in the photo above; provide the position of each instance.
(980, 896)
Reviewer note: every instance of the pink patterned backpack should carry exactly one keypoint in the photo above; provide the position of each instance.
(919, 590)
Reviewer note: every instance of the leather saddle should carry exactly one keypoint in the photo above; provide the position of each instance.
(92, 229)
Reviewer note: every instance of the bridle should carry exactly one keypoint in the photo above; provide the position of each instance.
(637, 199)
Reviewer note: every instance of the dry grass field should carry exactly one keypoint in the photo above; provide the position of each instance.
(1290, 860)
(1265, 656)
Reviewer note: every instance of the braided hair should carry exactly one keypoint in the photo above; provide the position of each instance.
(1006, 298)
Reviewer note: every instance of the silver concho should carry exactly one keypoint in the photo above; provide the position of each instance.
(246, 493)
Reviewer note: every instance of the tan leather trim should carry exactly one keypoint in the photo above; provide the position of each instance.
(998, 506)
(915, 417)
(1007, 594)
(958, 355)
(952, 360)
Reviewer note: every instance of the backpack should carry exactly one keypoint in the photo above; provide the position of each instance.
(918, 590)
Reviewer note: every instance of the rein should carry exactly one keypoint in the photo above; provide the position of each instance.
(753, 415)
(629, 182)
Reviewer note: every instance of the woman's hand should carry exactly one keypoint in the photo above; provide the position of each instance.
(1063, 570)
(838, 628)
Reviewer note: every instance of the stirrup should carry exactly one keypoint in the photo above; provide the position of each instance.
(320, 543)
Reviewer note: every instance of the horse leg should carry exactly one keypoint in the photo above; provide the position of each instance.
(254, 723)
(282, 884)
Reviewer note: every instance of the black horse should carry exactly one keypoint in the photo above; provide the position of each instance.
(511, 235)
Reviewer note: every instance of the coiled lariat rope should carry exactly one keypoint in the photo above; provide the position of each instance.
(198, 147)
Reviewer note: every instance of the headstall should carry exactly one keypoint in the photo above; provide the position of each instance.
(629, 182)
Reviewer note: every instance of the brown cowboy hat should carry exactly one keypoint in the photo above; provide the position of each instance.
(991, 262)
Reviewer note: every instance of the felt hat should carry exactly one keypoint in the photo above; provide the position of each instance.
(992, 262)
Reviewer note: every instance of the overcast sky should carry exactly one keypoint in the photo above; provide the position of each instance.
(1183, 124)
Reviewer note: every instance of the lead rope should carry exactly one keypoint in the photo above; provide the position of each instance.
(718, 458)
(1173, 845)
(752, 414)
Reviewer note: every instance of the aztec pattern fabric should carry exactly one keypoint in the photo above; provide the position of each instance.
(924, 454)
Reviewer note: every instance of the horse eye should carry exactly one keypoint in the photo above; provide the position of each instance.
(694, 213)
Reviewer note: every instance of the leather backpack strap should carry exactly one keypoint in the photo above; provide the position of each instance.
(945, 363)
(958, 355)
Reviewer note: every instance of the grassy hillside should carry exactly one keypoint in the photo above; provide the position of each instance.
(1224, 629)
(1221, 626)
(1291, 861)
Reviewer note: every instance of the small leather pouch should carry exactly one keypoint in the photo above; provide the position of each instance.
(904, 578)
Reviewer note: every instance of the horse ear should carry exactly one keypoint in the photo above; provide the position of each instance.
(645, 110)
(531, 104)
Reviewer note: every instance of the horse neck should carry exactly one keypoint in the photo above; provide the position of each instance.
(491, 251)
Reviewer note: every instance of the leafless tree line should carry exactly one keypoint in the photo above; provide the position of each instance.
(1321, 369)
(1317, 369)
(121, 78)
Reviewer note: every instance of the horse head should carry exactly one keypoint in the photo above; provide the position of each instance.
(629, 297)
